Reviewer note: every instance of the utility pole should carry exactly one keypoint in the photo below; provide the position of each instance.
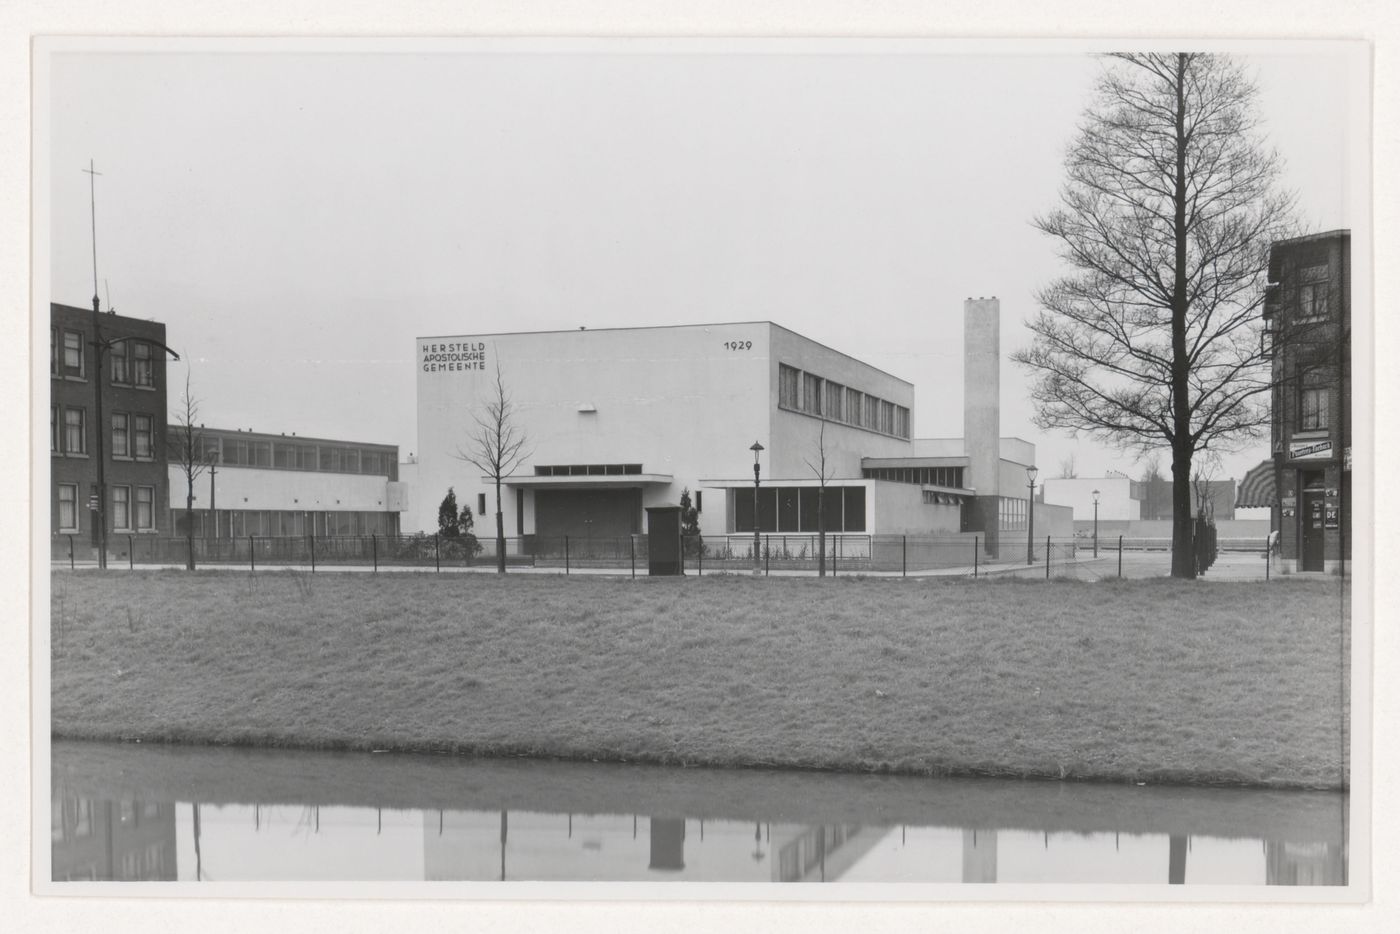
(99, 498)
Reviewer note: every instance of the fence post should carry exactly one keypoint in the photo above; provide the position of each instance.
(1268, 558)
(903, 556)
(437, 551)
(70, 553)
(313, 552)
(1120, 556)
(976, 553)
(566, 554)
(252, 561)
(768, 552)
(699, 556)
(632, 547)
(131, 552)
(374, 550)
(1047, 557)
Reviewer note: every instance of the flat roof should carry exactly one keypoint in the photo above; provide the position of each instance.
(671, 327)
(581, 481)
(281, 436)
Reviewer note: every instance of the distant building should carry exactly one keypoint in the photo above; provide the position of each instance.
(1307, 320)
(1211, 497)
(122, 359)
(267, 485)
(1119, 497)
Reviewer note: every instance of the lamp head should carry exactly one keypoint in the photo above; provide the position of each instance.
(1030, 474)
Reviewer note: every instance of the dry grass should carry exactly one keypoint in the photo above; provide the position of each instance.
(1149, 680)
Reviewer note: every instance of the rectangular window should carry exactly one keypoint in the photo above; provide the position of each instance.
(53, 351)
(121, 508)
(53, 428)
(901, 421)
(145, 508)
(811, 394)
(871, 418)
(835, 396)
(73, 353)
(520, 511)
(887, 417)
(787, 509)
(807, 509)
(699, 503)
(67, 507)
(788, 383)
(481, 504)
(831, 508)
(1313, 409)
(121, 367)
(854, 507)
(143, 437)
(853, 404)
(74, 431)
(145, 369)
(260, 453)
(121, 438)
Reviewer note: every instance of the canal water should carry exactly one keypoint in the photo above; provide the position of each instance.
(208, 814)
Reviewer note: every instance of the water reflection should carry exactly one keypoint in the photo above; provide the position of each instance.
(135, 813)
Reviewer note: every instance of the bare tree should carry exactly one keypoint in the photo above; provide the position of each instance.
(185, 447)
(496, 446)
(1207, 467)
(817, 464)
(1068, 470)
(1166, 219)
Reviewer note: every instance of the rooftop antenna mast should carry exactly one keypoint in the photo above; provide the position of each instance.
(92, 196)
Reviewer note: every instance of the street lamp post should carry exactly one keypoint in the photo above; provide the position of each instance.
(1030, 516)
(757, 559)
(1096, 523)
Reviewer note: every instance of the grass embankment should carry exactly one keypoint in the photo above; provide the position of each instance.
(1149, 680)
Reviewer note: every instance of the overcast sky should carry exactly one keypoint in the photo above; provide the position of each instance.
(297, 219)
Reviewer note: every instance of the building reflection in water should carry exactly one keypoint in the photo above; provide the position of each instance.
(162, 841)
(125, 841)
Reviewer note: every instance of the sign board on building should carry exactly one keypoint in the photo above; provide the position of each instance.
(1309, 450)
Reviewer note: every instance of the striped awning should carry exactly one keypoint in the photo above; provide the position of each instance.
(1257, 487)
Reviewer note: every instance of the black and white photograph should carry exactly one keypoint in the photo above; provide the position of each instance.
(771, 469)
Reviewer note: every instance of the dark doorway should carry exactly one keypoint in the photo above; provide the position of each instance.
(588, 514)
(1311, 517)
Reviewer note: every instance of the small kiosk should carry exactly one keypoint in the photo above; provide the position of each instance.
(664, 540)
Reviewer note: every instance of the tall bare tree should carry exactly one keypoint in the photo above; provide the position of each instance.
(496, 446)
(1068, 468)
(186, 452)
(817, 464)
(1166, 220)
